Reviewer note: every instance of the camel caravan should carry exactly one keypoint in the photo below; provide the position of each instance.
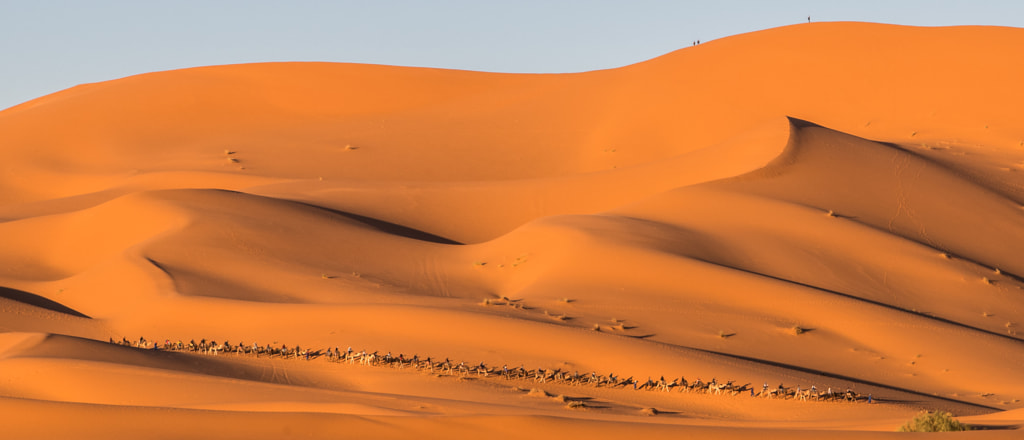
(538, 375)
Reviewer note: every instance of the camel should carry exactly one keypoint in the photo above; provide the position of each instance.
(648, 384)
(828, 395)
(482, 370)
(401, 360)
(623, 382)
(214, 348)
(682, 384)
(780, 391)
(368, 359)
(445, 367)
(805, 395)
(664, 385)
(736, 390)
(514, 372)
(716, 388)
(850, 396)
(522, 373)
(813, 393)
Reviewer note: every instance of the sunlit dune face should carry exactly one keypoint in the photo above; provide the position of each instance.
(808, 228)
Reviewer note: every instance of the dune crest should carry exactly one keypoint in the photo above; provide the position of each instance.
(767, 208)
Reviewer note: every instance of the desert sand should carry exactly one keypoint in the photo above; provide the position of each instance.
(837, 205)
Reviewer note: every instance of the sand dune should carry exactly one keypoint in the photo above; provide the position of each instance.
(836, 205)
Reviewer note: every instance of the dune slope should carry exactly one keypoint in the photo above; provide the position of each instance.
(770, 207)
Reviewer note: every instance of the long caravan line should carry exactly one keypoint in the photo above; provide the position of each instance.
(539, 375)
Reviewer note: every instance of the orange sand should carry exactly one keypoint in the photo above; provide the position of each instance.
(863, 182)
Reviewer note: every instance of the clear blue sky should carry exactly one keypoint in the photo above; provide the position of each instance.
(47, 45)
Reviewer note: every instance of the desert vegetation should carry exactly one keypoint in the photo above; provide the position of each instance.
(933, 421)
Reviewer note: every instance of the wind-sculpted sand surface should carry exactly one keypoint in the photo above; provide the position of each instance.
(837, 206)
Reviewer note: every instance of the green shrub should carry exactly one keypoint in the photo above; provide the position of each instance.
(938, 421)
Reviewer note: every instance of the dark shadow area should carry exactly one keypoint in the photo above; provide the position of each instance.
(225, 366)
(388, 227)
(159, 266)
(849, 379)
(185, 282)
(581, 398)
(801, 123)
(582, 402)
(38, 301)
(846, 217)
(994, 427)
(659, 412)
(866, 300)
(381, 225)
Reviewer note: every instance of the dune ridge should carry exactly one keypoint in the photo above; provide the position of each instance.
(770, 207)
